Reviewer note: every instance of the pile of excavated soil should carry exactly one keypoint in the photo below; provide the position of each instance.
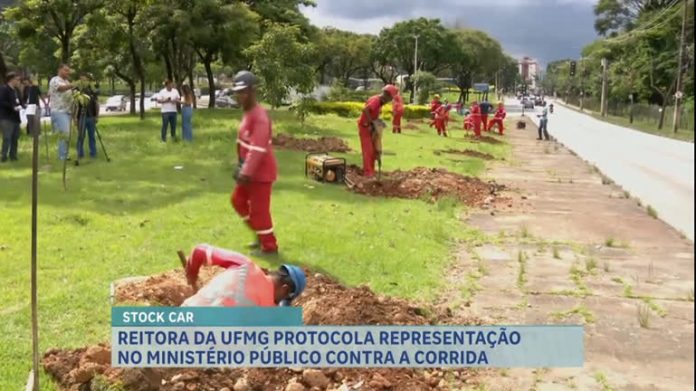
(466, 152)
(322, 144)
(424, 183)
(483, 139)
(324, 302)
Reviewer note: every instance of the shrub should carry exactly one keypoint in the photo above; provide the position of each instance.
(340, 93)
(354, 109)
(302, 108)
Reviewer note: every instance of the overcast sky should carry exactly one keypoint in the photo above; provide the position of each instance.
(543, 29)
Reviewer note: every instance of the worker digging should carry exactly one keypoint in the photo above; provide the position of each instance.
(368, 128)
(243, 283)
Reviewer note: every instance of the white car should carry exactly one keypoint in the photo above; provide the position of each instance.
(116, 103)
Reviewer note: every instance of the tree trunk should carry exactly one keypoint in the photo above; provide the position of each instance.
(168, 65)
(3, 69)
(663, 106)
(211, 81)
(113, 85)
(192, 83)
(65, 49)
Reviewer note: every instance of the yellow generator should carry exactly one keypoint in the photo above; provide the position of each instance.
(325, 168)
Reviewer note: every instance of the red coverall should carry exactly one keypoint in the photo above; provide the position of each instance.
(242, 284)
(373, 105)
(434, 105)
(252, 200)
(498, 120)
(468, 122)
(441, 119)
(397, 112)
(476, 118)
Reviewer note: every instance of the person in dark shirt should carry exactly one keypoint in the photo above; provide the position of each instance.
(33, 98)
(486, 108)
(87, 117)
(10, 106)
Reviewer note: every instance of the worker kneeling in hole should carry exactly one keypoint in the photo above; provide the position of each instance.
(243, 284)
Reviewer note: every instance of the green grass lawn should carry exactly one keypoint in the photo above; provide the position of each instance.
(128, 217)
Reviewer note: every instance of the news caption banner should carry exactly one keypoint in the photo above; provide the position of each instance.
(258, 337)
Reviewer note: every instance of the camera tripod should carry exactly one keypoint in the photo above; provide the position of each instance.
(82, 130)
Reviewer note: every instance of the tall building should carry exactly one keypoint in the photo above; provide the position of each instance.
(529, 70)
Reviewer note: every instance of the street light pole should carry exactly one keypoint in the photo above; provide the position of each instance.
(415, 68)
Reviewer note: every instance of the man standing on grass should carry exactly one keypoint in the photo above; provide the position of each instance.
(10, 106)
(367, 127)
(33, 99)
(168, 97)
(87, 119)
(486, 109)
(257, 167)
(60, 99)
(475, 114)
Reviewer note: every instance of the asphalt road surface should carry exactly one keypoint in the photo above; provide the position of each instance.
(657, 170)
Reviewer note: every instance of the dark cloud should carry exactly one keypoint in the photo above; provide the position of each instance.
(543, 29)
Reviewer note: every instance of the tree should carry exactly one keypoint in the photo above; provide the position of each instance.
(56, 19)
(283, 12)
(282, 62)
(616, 16)
(221, 32)
(343, 54)
(396, 46)
(474, 56)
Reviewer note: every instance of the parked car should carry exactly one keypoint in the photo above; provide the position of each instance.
(225, 101)
(116, 103)
(538, 100)
(527, 103)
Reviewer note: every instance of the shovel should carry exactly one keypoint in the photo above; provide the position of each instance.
(182, 258)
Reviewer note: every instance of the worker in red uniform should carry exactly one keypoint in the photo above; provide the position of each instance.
(442, 119)
(366, 127)
(397, 112)
(243, 284)
(475, 114)
(434, 105)
(257, 168)
(486, 108)
(498, 119)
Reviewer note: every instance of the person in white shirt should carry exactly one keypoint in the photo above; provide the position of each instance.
(168, 98)
(60, 100)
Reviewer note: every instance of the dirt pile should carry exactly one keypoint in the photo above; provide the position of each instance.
(322, 144)
(425, 183)
(482, 139)
(466, 152)
(324, 302)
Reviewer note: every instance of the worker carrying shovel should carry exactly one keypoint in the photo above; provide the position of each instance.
(243, 283)
(368, 128)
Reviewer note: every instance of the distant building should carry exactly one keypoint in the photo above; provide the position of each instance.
(529, 70)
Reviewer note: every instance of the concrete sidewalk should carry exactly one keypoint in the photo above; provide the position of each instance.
(657, 170)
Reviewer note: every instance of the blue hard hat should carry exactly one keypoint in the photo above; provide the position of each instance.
(299, 280)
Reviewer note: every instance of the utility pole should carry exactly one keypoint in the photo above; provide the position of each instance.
(678, 95)
(415, 69)
(605, 87)
(582, 83)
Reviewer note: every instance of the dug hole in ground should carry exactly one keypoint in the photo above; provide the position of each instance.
(325, 302)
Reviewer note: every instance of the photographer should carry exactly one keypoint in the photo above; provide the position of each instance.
(60, 99)
(87, 118)
(168, 98)
(33, 99)
(10, 106)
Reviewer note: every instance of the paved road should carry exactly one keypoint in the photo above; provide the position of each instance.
(657, 170)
